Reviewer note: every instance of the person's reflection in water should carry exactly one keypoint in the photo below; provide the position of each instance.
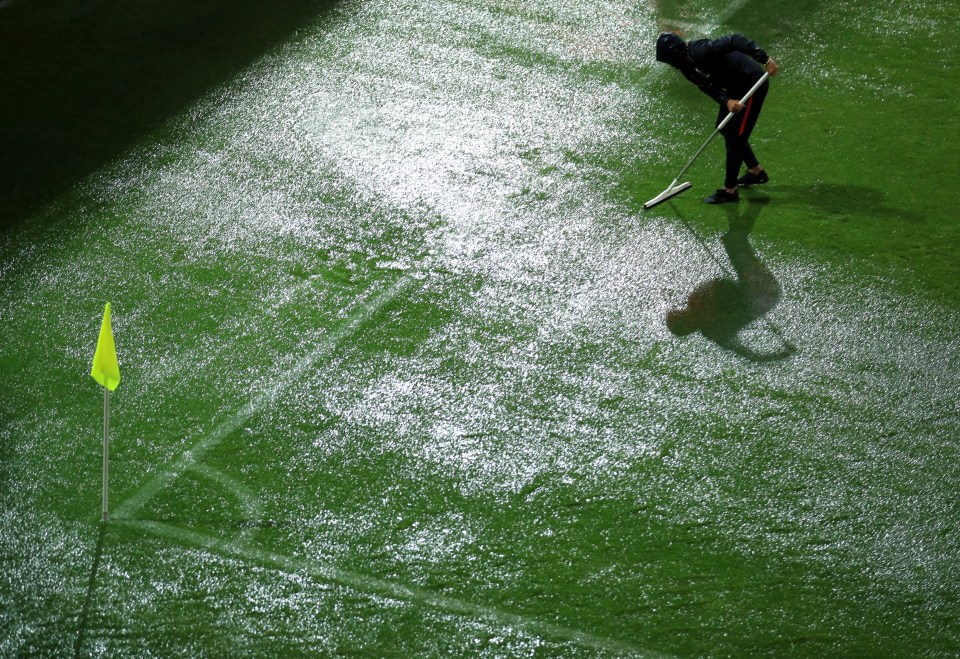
(721, 308)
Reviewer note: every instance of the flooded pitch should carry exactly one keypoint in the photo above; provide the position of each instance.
(407, 370)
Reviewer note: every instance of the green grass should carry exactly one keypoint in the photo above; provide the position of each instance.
(397, 379)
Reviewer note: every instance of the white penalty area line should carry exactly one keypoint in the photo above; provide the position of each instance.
(731, 9)
(706, 28)
(380, 587)
(193, 456)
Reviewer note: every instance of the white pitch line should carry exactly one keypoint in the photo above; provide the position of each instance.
(707, 28)
(247, 499)
(731, 9)
(193, 455)
(381, 587)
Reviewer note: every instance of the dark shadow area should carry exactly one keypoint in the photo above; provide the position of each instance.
(721, 308)
(84, 80)
(841, 199)
(91, 588)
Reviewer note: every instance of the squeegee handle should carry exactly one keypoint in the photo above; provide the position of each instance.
(745, 98)
(723, 123)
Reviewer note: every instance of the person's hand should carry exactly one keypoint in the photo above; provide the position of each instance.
(772, 67)
(733, 105)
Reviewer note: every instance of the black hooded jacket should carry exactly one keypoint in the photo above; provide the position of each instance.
(723, 68)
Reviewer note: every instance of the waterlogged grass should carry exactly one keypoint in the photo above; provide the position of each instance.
(392, 323)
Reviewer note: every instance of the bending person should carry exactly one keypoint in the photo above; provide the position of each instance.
(725, 69)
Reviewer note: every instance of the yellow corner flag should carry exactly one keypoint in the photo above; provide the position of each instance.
(105, 369)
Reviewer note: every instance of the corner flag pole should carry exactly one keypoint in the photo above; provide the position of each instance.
(106, 371)
(106, 453)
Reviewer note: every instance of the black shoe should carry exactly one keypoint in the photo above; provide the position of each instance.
(721, 196)
(750, 178)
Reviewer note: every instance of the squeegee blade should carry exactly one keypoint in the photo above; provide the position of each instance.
(666, 194)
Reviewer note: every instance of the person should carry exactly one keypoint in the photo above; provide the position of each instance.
(725, 69)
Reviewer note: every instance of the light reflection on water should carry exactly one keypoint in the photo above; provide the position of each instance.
(430, 158)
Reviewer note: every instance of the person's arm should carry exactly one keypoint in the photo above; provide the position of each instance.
(749, 47)
(704, 85)
(707, 49)
(714, 48)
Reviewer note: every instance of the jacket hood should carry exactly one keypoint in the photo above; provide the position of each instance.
(671, 49)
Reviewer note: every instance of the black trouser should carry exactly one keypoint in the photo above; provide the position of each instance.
(737, 133)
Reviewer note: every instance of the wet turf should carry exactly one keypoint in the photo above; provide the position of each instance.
(402, 371)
